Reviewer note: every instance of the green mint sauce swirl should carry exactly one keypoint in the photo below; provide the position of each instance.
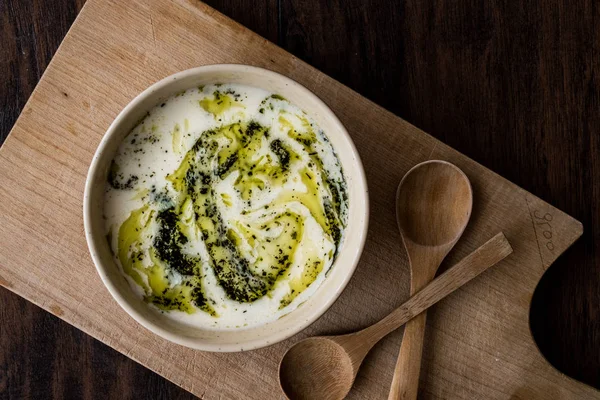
(173, 278)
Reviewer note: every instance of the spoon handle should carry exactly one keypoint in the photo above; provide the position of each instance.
(490, 253)
(405, 381)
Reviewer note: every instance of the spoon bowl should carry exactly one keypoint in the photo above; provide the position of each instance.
(325, 364)
(433, 203)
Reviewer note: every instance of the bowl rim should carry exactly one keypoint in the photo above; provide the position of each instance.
(155, 328)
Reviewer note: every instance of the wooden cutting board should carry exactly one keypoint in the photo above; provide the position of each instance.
(478, 343)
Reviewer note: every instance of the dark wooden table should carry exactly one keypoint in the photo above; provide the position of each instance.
(514, 85)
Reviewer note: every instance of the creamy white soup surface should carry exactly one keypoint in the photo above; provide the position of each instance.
(225, 207)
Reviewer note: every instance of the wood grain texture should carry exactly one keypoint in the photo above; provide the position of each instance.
(539, 115)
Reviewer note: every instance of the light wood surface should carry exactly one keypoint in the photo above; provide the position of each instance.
(325, 367)
(433, 206)
(478, 343)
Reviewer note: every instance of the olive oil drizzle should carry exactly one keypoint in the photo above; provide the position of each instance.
(249, 259)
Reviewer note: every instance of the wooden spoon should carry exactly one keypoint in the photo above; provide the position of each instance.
(325, 367)
(433, 206)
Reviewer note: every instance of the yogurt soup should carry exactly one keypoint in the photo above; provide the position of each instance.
(225, 207)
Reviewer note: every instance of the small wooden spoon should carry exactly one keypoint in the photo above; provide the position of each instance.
(325, 367)
(433, 206)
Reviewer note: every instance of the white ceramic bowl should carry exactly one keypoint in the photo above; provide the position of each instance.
(241, 339)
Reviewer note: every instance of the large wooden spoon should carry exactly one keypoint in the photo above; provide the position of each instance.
(325, 367)
(433, 206)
